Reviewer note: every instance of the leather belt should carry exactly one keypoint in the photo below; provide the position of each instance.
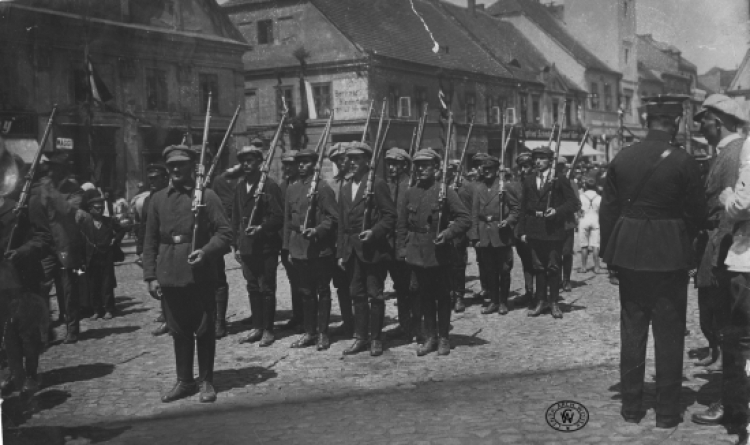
(175, 239)
(419, 229)
(489, 218)
(642, 213)
(538, 214)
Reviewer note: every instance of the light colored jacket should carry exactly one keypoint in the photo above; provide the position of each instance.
(737, 206)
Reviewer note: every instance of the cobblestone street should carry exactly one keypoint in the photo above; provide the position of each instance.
(494, 387)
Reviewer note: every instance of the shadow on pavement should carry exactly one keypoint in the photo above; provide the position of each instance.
(78, 373)
(57, 435)
(17, 410)
(688, 396)
(98, 334)
(467, 340)
(227, 379)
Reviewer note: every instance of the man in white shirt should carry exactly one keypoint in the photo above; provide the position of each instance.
(588, 225)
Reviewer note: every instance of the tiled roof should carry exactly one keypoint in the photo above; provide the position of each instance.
(230, 3)
(390, 28)
(538, 13)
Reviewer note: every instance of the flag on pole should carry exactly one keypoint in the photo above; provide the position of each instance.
(312, 113)
(99, 91)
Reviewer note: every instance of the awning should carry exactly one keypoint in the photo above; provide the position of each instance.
(25, 148)
(567, 148)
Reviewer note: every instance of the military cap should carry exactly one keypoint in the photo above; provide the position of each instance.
(92, 196)
(562, 161)
(490, 161)
(57, 158)
(175, 153)
(337, 149)
(397, 154)
(542, 151)
(426, 154)
(523, 159)
(722, 104)
(288, 157)
(306, 153)
(257, 142)
(665, 105)
(156, 167)
(454, 163)
(248, 149)
(479, 157)
(358, 148)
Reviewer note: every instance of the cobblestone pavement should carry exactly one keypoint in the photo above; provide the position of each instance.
(494, 387)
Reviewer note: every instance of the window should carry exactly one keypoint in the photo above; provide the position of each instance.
(569, 118)
(594, 95)
(536, 110)
(627, 56)
(393, 95)
(510, 116)
(555, 111)
(287, 94)
(495, 115)
(404, 107)
(471, 106)
(524, 108)
(322, 98)
(628, 102)
(252, 108)
(420, 100)
(265, 32)
(156, 90)
(608, 102)
(209, 83)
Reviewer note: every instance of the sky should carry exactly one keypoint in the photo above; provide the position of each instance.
(709, 32)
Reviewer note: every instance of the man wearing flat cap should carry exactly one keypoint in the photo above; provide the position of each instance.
(721, 118)
(257, 242)
(363, 250)
(290, 175)
(547, 201)
(652, 206)
(427, 248)
(525, 165)
(186, 281)
(312, 248)
(397, 162)
(476, 164)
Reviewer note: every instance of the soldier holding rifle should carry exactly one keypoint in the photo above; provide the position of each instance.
(290, 172)
(185, 278)
(525, 167)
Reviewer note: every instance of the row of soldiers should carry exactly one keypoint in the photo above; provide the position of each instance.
(332, 242)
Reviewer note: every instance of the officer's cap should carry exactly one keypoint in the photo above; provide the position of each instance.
(250, 149)
(426, 154)
(288, 157)
(257, 142)
(57, 158)
(306, 153)
(562, 161)
(490, 161)
(176, 153)
(338, 149)
(157, 168)
(523, 159)
(358, 148)
(397, 154)
(665, 105)
(479, 157)
(454, 163)
(542, 151)
(722, 104)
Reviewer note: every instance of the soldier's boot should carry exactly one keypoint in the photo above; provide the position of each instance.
(222, 301)
(567, 269)
(31, 384)
(429, 345)
(361, 328)
(206, 346)
(541, 295)
(554, 293)
(377, 318)
(310, 321)
(504, 294)
(458, 302)
(403, 330)
(184, 350)
(714, 354)
(72, 330)
(324, 317)
(416, 316)
(269, 316)
(161, 330)
(346, 328)
(444, 346)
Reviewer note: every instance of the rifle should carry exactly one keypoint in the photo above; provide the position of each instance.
(312, 196)
(367, 122)
(443, 196)
(418, 143)
(458, 181)
(552, 176)
(503, 147)
(200, 182)
(23, 201)
(578, 155)
(265, 168)
(369, 194)
(221, 147)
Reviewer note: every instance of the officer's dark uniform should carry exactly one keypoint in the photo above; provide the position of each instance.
(495, 243)
(546, 235)
(416, 233)
(315, 258)
(522, 249)
(260, 252)
(648, 238)
(189, 292)
(292, 274)
(365, 263)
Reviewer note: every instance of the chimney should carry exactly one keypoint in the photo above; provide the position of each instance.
(472, 7)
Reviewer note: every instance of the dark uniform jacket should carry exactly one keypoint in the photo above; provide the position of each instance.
(656, 232)
(62, 204)
(336, 183)
(285, 183)
(398, 194)
(485, 214)
(169, 232)
(725, 170)
(225, 185)
(32, 240)
(269, 217)
(325, 221)
(417, 226)
(351, 215)
(100, 241)
(564, 201)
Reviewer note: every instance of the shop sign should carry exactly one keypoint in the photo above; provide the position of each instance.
(64, 144)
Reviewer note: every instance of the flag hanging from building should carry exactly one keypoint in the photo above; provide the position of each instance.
(99, 91)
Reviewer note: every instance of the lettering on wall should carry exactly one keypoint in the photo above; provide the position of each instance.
(350, 98)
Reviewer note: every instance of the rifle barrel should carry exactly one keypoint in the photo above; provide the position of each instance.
(312, 195)
(222, 146)
(200, 179)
